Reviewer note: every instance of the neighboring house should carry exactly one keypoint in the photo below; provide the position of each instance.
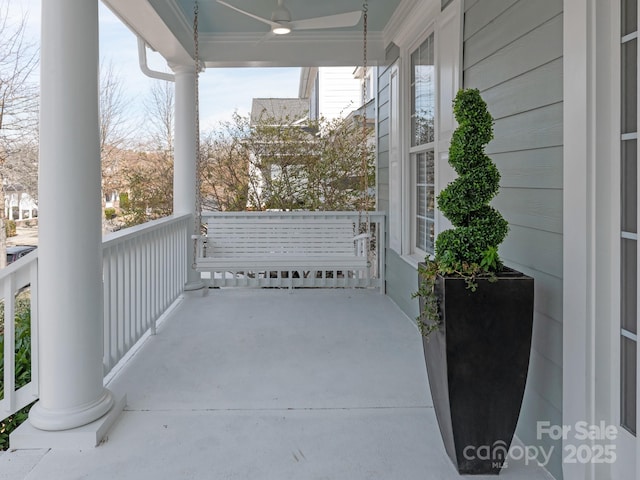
(281, 109)
(560, 79)
(19, 205)
(333, 92)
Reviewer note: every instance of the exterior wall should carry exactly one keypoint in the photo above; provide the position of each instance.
(339, 93)
(513, 53)
(401, 276)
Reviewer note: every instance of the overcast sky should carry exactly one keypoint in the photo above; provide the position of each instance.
(222, 91)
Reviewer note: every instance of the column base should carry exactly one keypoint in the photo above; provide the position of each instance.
(193, 285)
(56, 420)
(87, 436)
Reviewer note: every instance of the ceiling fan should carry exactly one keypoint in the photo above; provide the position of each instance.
(281, 22)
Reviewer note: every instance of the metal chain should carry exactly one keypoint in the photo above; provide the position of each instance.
(197, 227)
(364, 204)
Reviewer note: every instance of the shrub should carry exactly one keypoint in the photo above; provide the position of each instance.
(479, 228)
(109, 213)
(23, 365)
(10, 228)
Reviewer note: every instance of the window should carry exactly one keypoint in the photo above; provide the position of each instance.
(423, 93)
(629, 217)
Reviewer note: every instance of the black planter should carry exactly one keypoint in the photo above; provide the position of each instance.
(477, 364)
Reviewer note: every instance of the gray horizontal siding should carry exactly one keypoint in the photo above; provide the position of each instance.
(537, 168)
(533, 89)
(513, 54)
(480, 13)
(536, 208)
(537, 128)
(382, 175)
(402, 281)
(534, 249)
(535, 49)
(534, 407)
(512, 24)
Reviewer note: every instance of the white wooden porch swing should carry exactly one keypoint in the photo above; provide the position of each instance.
(285, 249)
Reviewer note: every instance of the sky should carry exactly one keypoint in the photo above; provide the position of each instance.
(222, 91)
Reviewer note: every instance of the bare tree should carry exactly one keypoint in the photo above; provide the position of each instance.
(288, 164)
(225, 172)
(18, 98)
(148, 177)
(115, 131)
(159, 107)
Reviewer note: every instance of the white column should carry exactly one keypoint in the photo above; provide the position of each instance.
(19, 206)
(184, 164)
(70, 246)
(10, 212)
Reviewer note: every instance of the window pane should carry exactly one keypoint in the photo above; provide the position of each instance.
(629, 284)
(629, 86)
(425, 200)
(423, 93)
(628, 381)
(422, 201)
(430, 237)
(629, 186)
(629, 16)
(421, 168)
(421, 233)
(431, 201)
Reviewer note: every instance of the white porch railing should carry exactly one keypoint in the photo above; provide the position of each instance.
(328, 277)
(144, 272)
(14, 279)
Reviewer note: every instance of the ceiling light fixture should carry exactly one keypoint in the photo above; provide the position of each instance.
(281, 29)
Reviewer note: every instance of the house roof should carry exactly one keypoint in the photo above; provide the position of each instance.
(281, 109)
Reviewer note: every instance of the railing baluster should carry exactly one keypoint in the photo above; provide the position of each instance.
(9, 343)
(144, 271)
(35, 328)
(143, 277)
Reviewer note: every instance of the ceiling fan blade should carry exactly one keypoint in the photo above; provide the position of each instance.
(266, 38)
(249, 14)
(348, 19)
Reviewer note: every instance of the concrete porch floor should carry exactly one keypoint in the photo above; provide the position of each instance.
(269, 384)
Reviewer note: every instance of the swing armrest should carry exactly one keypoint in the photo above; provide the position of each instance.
(361, 244)
(362, 236)
(200, 241)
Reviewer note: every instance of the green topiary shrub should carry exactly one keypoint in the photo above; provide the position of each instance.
(472, 245)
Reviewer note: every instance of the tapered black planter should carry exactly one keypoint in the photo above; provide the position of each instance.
(477, 364)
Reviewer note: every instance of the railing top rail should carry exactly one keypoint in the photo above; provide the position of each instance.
(21, 263)
(127, 233)
(296, 213)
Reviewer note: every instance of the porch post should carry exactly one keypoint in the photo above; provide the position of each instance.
(70, 246)
(184, 163)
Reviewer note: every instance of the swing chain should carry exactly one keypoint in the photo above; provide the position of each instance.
(197, 228)
(364, 203)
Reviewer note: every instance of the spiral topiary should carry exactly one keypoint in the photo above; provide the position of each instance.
(479, 229)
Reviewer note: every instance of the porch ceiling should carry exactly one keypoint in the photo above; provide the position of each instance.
(230, 39)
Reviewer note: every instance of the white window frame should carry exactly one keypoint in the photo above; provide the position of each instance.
(408, 38)
(397, 183)
(410, 218)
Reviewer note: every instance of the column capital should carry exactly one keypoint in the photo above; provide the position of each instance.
(180, 69)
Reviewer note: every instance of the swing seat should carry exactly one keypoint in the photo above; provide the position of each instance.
(267, 251)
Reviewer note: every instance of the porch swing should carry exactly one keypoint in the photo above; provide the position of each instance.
(284, 249)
